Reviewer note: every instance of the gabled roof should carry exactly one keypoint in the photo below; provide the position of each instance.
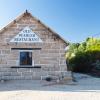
(27, 13)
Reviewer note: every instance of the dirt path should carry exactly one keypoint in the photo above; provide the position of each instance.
(86, 88)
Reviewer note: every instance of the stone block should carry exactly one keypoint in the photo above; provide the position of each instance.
(11, 62)
(3, 62)
(53, 51)
(24, 70)
(63, 67)
(35, 70)
(28, 77)
(15, 73)
(27, 73)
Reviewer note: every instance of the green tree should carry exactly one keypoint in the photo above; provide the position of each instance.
(83, 56)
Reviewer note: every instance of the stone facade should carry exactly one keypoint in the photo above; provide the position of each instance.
(50, 56)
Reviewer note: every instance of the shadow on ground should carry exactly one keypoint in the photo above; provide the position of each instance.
(84, 83)
(17, 85)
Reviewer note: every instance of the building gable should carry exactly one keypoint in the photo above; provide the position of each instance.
(27, 20)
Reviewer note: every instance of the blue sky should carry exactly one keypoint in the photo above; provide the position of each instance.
(74, 20)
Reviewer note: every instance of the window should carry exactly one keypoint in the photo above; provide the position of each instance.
(26, 58)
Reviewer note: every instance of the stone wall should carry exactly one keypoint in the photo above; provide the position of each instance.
(51, 57)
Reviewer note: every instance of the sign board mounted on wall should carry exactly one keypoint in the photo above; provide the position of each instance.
(27, 36)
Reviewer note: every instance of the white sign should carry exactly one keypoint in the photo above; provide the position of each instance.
(27, 36)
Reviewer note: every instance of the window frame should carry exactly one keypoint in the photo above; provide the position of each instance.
(25, 51)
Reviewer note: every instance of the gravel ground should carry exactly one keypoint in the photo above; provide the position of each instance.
(85, 88)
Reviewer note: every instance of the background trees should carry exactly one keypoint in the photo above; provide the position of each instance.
(84, 57)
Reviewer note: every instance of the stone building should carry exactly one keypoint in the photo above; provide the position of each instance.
(29, 49)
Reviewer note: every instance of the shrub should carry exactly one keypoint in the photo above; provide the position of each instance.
(97, 65)
(84, 57)
(81, 62)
